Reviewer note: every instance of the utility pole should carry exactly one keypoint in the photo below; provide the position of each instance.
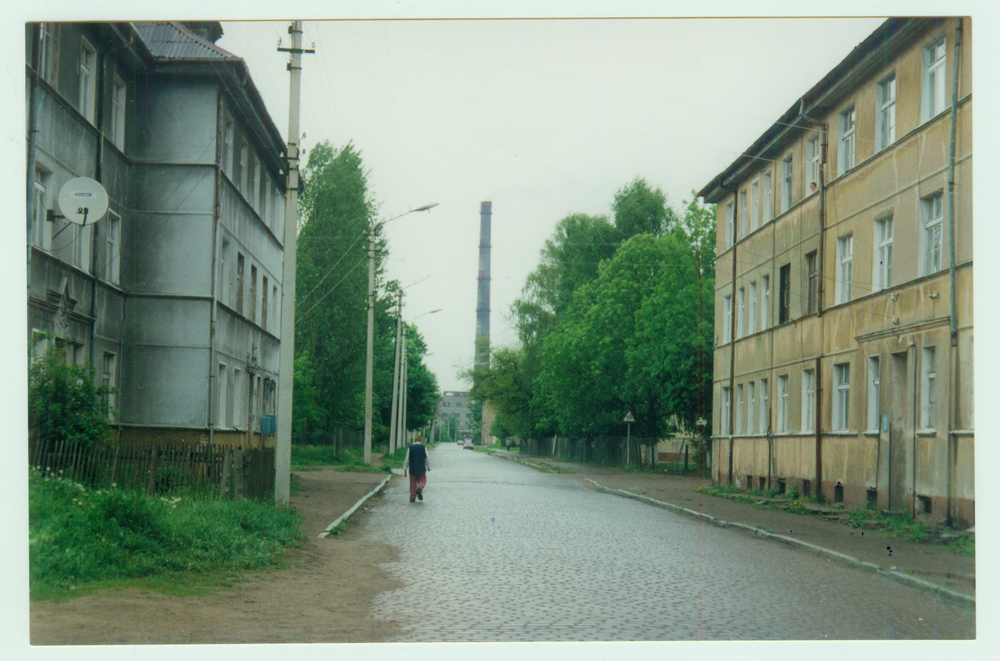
(283, 452)
(394, 441)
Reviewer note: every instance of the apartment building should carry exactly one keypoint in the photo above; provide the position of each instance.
(174, 295)
(844, 289)
(456, 403)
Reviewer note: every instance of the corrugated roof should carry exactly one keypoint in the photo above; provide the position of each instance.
(174, 41)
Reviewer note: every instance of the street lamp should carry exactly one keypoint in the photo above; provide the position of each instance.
(371, 326)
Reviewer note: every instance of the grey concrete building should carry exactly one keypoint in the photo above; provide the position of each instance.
(174, 296)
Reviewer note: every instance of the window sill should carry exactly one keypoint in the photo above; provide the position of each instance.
(926, 432)
(871, 432)
(840, 432)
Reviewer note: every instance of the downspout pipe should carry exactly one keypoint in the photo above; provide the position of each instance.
(36, 57)
(820, 293)
(955, 391)
(732, 332)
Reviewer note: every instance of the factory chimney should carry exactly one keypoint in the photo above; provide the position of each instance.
(483, 306)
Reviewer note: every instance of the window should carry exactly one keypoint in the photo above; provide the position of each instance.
(224, 262)
(743, 213)
(751, 407)
(262, 199)
(253, 294)
(48, 46)
(238, 294)
(274, 302)
(765, 408)
(885, 117)
(88, 81)
(739, 408)
(42, 235)
(841, 395)
(932, 93)
(740, 317)
(82, 237)
(928, 396)
(730, 225)
(727, 318)
(255, 187)
(846, 156)
(785, 293)
(765, 302)
(752, 322)
(931, 213)
(812, 163)
(726, 406)
(882, 268)
(112, 262)
(754, 205)
(845, 261)
(812, 273)
(873, 393)
(236, 399)
(118, 100)
(111, 380)
(786, 189)
(244, 172)
(263, 303)
(766, 214)
(222, 398)
(228, 135)
(808, 400)
(783, 403)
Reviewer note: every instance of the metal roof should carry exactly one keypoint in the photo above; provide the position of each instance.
(174, 41)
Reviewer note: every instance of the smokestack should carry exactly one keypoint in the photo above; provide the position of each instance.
(483, 306)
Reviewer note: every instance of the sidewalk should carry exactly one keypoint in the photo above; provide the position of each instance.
(927, 565)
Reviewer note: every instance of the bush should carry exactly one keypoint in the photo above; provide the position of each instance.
(78, 536)
(65, 404)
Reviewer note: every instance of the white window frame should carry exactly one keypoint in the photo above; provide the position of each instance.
(237, 399)
(845, 267)
(739, 409)
(48, 61)
(43, 226)
(727, 319)
(265, 308)
(754, 205)
(928, 389)
(751, 407)
(874, 386)
(848, 127)
(782, 403)
(752, 317)
(88, 81)
(730, 224)
(808, 400)
(225, 275)
(726, 411)
(119, 101)
(223, 399)
(882, 254)
(765, 407)
(788, 174)
(110, 375)
(933, 95)
(112, 255)
(812, 164)
(740, 309)
(812, 282)
(932, 234)
(885, 117)
(765, 302)
(743, 213)
(766, 214)
(841, 396)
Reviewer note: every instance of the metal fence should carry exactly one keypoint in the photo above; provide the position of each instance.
(162, 468)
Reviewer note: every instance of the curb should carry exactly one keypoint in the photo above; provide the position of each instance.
(354, 509)
(913, 581)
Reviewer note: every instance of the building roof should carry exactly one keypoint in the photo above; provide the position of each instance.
(175, 41)
(869, 53)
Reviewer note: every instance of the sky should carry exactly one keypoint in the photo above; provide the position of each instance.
(543, 118)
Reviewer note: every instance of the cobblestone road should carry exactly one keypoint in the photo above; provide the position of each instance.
(500, 552)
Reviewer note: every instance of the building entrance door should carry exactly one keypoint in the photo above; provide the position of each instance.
(900, 432)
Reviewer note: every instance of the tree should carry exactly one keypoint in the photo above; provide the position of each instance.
(65, 403)
(639, 209)
(505, 385)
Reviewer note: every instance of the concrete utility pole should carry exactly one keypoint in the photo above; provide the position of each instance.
(283, 453)
(394, 441)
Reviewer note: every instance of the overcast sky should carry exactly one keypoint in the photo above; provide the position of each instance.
(543, 118)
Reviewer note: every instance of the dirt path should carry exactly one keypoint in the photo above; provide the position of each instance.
(323, 597)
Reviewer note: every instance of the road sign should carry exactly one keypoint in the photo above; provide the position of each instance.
(628, 417)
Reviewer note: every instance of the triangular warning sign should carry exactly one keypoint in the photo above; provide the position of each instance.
(628, 417)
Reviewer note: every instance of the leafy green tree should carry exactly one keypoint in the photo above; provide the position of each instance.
(639, 209)
(65, 403)
(506, 386)
(422, 393)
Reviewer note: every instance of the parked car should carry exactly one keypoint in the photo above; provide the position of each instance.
(469, 446)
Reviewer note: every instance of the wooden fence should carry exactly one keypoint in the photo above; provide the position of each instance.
(162, 468)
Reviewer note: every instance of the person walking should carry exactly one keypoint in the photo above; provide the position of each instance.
(417, 465)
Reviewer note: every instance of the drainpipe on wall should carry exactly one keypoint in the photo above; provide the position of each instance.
(820, 293)
(732, 332)
(213, 370)
(32, 141)
(98, 176)
(954, 390)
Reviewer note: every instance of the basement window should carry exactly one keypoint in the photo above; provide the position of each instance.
(838, 493)
(925, 504)
(806, 490)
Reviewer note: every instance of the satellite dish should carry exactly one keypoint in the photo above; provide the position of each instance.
(83, 201)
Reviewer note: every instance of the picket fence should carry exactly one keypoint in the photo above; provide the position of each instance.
(162, 468)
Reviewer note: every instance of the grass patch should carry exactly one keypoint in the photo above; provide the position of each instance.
(541, 466)
(965, 546)
(350, 459)
(81, 537)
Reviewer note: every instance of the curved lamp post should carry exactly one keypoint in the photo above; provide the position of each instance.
(371, 326)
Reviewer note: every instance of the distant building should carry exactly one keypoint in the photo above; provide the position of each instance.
(844, 334)
(173, 297)
(455, 403)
